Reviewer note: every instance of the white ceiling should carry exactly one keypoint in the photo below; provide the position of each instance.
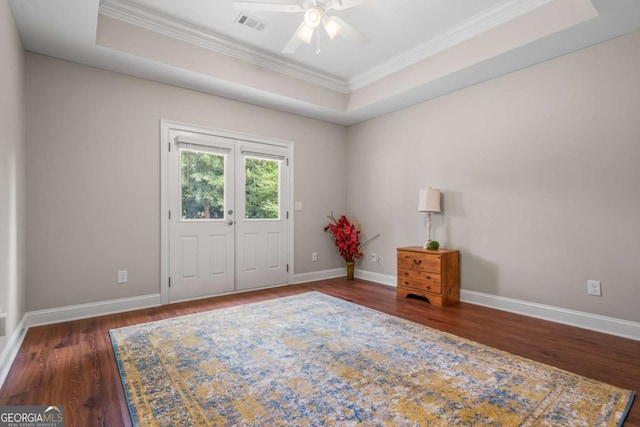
(392, 26)
(418, 49)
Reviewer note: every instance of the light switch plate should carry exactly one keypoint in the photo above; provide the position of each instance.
(593, 288)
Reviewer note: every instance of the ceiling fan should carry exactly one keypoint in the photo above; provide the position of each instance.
(315, 13)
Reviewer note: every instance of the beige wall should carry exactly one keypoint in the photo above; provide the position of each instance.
(538, 169)
(93, 180)
(540, 173)
(12, 173)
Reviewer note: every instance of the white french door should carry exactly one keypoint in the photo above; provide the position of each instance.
(261, 227)
(228, 221)
(201, 236)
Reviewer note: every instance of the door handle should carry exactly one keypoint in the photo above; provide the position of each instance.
(230, 222)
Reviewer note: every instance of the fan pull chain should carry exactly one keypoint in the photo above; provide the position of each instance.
(317, 42)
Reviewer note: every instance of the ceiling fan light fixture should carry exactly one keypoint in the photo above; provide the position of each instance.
(312, 17)
(305, 33)
(315, 13)
(332, 27)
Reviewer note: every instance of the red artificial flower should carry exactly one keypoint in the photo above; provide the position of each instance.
(347, 237)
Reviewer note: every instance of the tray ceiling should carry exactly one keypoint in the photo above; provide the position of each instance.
(417, 49)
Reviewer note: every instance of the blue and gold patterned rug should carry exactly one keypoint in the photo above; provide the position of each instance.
(315, 360)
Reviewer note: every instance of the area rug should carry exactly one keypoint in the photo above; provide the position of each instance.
(315, 360)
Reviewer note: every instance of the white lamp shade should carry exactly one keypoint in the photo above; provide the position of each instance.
(429, 200)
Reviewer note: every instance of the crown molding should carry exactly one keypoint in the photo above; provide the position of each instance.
(131, 13)
(478, 24)
(134, 14)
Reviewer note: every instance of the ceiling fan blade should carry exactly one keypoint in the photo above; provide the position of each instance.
(294, 41)
(349, 33)
(347, 4)
(292, 6)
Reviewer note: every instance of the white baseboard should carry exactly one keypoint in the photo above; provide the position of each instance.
(319, 275)
(64, 314)
(12, 348)
(580, 319)
(383, 279)
(594, 322)
(371, 276)
(84, 311)
(608, 325)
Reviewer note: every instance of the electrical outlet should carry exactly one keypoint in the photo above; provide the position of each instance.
(122, 276)
(314, 256)
(593, 288)
(375, 258)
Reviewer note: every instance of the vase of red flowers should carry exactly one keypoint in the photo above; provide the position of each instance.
(347, 238)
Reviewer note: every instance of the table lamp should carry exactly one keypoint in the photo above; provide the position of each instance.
(429, 201)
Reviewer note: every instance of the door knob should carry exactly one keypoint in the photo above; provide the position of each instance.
(230, 222)
(230, 211)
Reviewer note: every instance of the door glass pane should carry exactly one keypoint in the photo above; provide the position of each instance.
(202, 185)
(262, 188)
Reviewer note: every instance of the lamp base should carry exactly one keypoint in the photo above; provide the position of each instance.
(428, 230)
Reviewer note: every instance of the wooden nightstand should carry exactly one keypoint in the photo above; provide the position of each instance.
(434, 275)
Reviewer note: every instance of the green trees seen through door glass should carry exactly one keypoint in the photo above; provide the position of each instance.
(202, 183)
(262, 188)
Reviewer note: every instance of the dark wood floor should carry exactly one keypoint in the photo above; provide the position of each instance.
(72, 363)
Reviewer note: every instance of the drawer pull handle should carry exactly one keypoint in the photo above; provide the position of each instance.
(406, 273)
(429, 277)
(428, 287)
(406, 283)
(417, 261)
